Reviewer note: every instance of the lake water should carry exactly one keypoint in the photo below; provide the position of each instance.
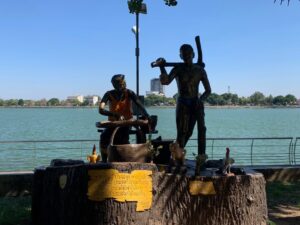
(28, 124)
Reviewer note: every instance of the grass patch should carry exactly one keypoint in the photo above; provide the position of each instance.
(270, 222)
(283, 193)
(15, 210)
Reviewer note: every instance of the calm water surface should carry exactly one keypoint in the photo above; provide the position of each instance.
(79, 123)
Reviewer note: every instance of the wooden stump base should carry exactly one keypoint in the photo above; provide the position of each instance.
(138, 194)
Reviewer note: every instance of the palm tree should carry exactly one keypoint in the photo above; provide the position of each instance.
(281, 1)
(174, 2)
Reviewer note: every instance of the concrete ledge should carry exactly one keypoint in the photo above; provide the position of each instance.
(280, 173)
(16, 183)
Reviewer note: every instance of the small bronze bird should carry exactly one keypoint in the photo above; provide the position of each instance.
(94, 157)
(227, 162)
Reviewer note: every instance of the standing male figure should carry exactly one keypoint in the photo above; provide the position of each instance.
(120, 108)
(190, 107)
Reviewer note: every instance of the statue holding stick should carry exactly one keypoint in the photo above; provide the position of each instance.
(190, 107)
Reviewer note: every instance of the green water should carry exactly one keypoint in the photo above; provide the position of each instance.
(79, 123)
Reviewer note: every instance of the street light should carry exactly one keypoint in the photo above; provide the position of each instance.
(134, 30)
(137, 7)
(171, 2)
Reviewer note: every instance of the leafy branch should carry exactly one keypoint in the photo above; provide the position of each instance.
(281, 1)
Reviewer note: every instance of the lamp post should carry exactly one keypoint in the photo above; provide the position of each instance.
(137, 53)
(137, 7)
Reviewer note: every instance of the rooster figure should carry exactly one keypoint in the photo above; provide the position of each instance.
(227, 162)
(94, 158)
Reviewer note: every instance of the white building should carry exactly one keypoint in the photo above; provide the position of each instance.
(154, 93)
(156, 88)
(92, 99)
(77, 97)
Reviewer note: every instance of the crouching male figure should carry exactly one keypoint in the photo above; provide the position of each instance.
(120, 108)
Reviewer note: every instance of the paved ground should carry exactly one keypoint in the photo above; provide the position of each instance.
(285, 215)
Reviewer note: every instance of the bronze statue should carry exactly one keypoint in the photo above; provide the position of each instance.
(94, 157)
(190, 107)
(227, 162)
(120, 108)
(177, 154)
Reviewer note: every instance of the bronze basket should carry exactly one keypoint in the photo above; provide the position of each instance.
(128, 152)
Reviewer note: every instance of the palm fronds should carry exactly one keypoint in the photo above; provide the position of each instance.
(281, 1)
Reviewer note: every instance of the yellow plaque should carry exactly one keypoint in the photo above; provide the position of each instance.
(198, 187)
(109, 183)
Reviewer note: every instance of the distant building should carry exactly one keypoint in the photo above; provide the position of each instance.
(78, 98)
(92, 99)
(156, 88)
(154, 93)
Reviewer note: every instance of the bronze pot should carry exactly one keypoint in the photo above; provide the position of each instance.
(128, 152)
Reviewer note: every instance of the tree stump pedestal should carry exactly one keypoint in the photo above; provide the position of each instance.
(139, 194)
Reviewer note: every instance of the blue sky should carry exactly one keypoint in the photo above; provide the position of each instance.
(57, 48)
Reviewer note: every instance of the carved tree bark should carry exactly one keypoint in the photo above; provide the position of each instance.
(238, 200)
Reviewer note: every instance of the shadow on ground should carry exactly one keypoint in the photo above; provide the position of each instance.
(284, 203)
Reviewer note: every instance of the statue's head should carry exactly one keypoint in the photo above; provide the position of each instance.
(118, 82)
(186, 53)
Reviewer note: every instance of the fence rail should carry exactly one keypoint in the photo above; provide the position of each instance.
(296, 150)
(26, 155)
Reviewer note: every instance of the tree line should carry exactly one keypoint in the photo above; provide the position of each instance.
(256, 99)
(43, 103)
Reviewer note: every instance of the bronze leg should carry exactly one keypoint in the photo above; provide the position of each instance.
(103, 154)
(104, 142)
(185, 120)
(201, 130)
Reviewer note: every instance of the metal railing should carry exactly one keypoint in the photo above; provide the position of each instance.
(296, 151)
(251, 151)
(26, 155)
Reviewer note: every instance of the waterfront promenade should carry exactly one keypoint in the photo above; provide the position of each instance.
(251, 151)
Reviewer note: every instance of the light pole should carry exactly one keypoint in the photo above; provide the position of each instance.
(137, 53)
(137, 7)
